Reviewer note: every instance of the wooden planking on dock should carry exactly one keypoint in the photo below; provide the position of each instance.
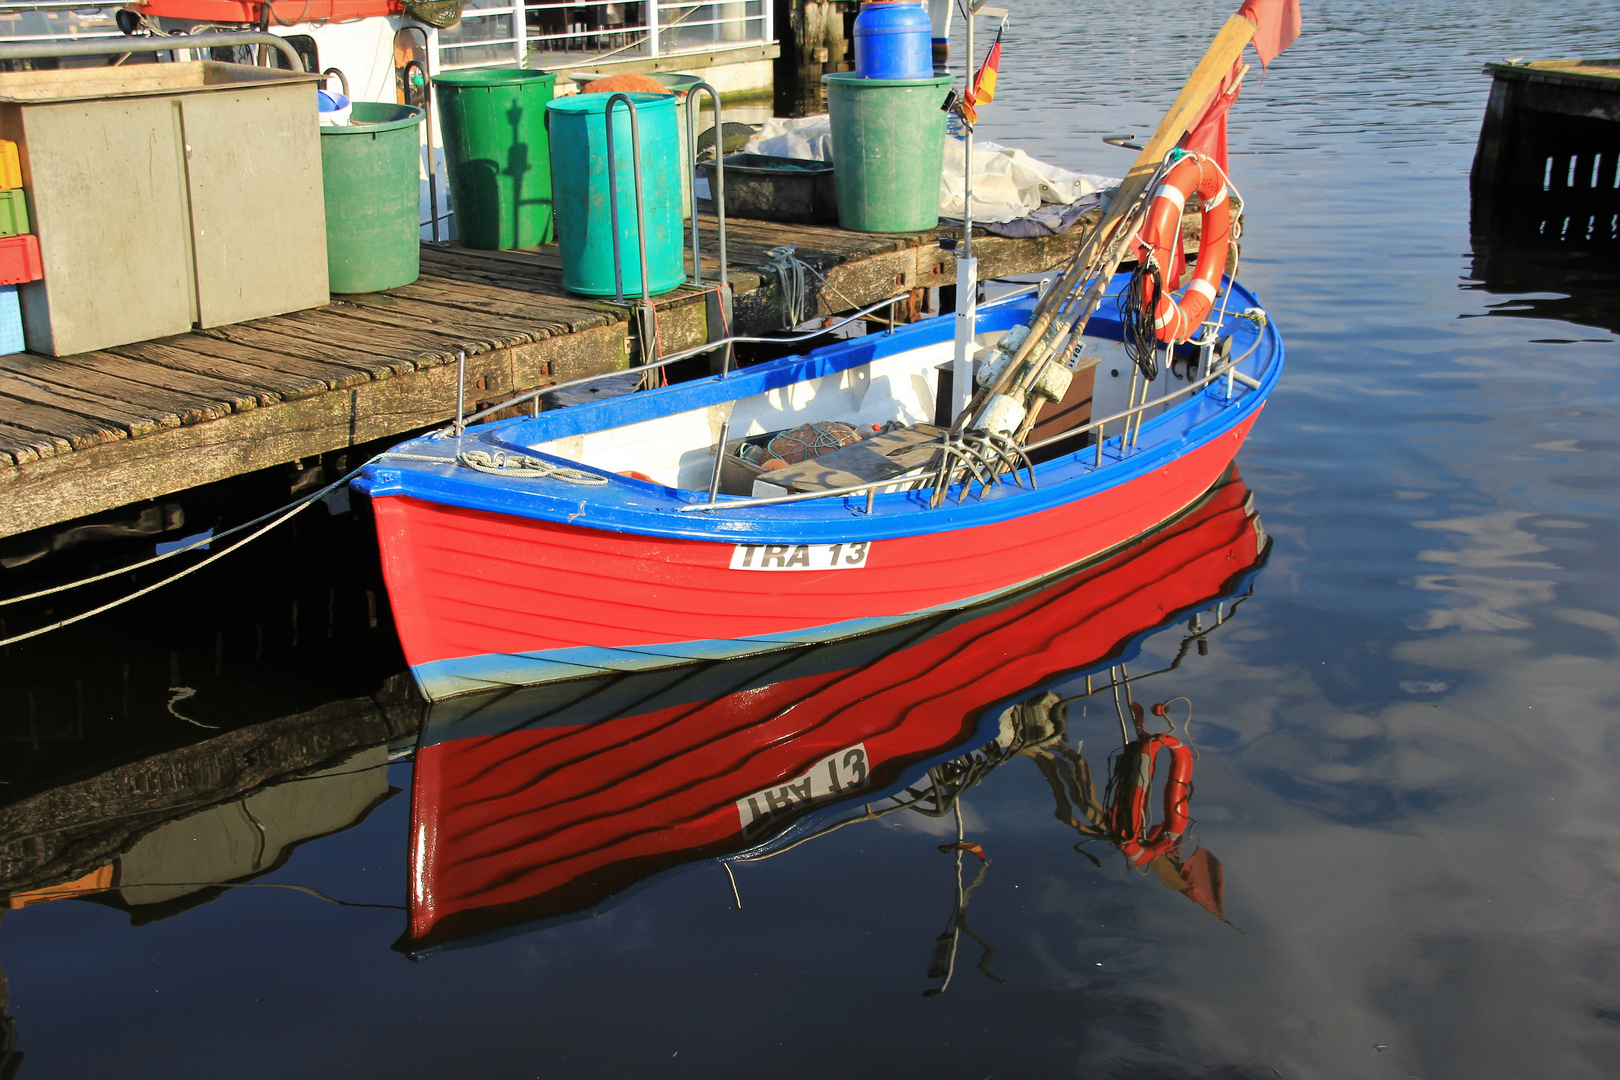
(86, 433)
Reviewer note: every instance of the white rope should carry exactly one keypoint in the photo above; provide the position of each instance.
(523, 467)
(285, 514)
(790, 272)
(212, 538)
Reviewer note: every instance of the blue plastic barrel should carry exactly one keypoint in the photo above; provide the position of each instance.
(894, 40)
(579, 186)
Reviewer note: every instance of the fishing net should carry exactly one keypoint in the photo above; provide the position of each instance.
(798, 444)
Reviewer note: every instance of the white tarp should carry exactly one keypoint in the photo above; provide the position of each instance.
(1007, 183)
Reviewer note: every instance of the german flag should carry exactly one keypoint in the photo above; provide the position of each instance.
(984, 84)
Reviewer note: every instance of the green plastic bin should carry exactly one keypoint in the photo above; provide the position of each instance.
(370, 172)
(584, 213)
(498, 154)
(888, 150)
(13, 212)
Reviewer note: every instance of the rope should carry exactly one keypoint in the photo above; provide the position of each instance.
(212, 538)
(285, 514)
(525, 468)
(790, 272)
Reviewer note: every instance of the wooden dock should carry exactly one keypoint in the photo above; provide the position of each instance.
(87, 433)
(1551, 126)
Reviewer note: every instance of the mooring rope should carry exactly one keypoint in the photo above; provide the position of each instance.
(523, 467)
(790, 272)
(275, 517)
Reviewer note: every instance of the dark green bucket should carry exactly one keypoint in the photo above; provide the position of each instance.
(498, 154)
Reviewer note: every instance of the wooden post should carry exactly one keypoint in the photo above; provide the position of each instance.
(814, 40)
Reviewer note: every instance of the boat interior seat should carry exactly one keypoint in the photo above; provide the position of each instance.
(887, 454)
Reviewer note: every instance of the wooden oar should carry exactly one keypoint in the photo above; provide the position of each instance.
(1108, 238)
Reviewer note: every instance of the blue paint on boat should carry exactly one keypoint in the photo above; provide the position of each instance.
(626, 505)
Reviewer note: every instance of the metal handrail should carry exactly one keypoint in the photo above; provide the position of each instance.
(159, 43)
(686, 354)
(698, 350)
(873, 485)
(427, 115)
(718, 195)
(613, 197)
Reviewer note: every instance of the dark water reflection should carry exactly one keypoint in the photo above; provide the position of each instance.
(1408, 734)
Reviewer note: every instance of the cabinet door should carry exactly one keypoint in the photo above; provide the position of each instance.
(106, 183)
(258, 215)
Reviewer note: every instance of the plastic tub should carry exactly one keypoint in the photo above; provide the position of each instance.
(579, 177)
(370, 168)
(498, 154)
(889, 149)
(894, 39)
(777, 189)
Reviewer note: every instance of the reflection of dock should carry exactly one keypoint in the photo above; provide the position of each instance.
(164, 827)
(86, 433)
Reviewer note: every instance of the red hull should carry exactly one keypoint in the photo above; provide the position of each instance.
(544, 821)
(478, 597)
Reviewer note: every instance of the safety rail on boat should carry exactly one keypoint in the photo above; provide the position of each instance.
(538, 392)
(686, 354)
(918, 472)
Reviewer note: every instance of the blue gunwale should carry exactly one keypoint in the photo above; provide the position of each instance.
(625, 505)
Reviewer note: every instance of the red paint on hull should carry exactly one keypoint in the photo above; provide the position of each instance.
(544, 821)
(467, 583)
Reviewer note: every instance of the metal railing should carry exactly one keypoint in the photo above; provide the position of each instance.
(870, 488)
(507, 32)
(685, 354)
(140, 44)
(736, 339)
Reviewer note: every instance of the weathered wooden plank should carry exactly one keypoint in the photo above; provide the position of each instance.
(79, 431)
(105, 412)
(492, 300)
(228, 392)
(160, 403)
(265, 337)
(183, 355)
(19, 445)
(71, 485)
(422, 348)
(390, 310)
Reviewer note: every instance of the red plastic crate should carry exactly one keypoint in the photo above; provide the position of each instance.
(19, 259)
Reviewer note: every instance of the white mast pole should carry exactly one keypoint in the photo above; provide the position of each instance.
(967, 267)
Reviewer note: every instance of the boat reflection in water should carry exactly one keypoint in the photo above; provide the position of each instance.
(542, 803)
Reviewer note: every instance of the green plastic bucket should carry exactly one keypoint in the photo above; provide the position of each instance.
(370, 171)
(497, 154)
(888, 150)
(579, 177)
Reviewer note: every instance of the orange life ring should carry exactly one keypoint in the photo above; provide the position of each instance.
(1174, 321)
(1139, 844)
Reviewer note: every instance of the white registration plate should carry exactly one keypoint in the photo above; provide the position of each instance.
(827, 778)
(799, 556)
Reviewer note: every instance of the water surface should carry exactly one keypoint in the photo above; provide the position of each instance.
(1407, 729)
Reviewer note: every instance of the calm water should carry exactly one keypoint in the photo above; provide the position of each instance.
(1408, 716)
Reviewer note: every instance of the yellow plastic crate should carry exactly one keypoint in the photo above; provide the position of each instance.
(10, 167)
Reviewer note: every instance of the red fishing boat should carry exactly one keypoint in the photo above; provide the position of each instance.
(601, 537)
(537, 803)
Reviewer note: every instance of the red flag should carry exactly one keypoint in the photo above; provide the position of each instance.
(1208, 133)
(983, 90)
(1276, 25)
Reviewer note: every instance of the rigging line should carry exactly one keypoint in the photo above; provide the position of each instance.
(137, 594)
(213, 538)
(735, 895)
